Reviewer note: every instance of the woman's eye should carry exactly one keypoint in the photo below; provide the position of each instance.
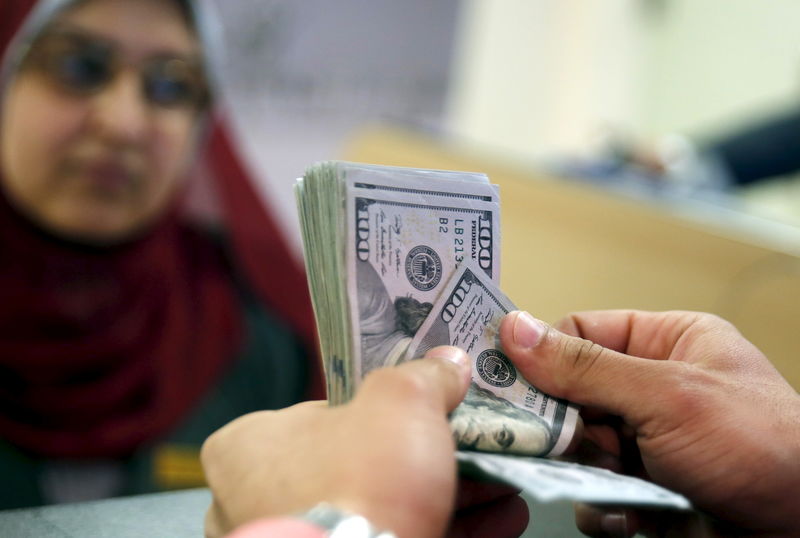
(165, 91)
(173, 83)
(82, 71)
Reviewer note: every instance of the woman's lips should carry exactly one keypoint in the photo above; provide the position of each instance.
(109, 177)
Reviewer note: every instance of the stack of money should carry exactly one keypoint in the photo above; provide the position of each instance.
(401, 260)
(380, 243)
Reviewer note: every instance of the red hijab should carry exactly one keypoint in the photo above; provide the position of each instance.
(102, 350)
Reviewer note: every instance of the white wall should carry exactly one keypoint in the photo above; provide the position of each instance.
(541, 76)
(713, 61)
(304, 75)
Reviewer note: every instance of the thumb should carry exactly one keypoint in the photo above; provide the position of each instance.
(439, 380)
(582, 371)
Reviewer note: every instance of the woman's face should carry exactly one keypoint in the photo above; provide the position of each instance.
(93, 153)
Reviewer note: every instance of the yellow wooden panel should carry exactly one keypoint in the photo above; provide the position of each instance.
(177, 467)
(571, 246)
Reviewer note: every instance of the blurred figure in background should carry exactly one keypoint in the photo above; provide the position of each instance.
(754, 152)
(132, 325)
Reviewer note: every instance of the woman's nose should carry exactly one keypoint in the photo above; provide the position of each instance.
(120, 112)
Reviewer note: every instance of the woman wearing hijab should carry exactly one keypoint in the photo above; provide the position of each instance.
(130, 328)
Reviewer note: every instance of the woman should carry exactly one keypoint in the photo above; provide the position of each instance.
(130, 328)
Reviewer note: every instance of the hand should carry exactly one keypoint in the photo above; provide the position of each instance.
(680, 398)
(387, 455)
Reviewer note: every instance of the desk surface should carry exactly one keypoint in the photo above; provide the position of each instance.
(180, 515)
(168, 515)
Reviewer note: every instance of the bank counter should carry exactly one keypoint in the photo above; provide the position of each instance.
(180, 515)
(169, 515)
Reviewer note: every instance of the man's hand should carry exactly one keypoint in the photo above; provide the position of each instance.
(680, 398)
(387, 455)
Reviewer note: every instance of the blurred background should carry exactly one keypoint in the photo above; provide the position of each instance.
(647, 150)
(571, 84)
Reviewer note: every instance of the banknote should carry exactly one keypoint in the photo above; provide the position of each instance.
(403, 249)
(551, 480)
(502, 412)
(380, 242)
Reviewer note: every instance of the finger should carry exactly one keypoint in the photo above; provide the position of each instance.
(650, 335)
(215, 521)
(439, 380)
(612, 522)
(504, 518)
(582, 371)
(620, 521)
(313, 404)
(613, 327)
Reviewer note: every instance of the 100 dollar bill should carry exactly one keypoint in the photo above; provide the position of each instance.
(502, 412)
(551, 480)
(375, 264)
(403, 247)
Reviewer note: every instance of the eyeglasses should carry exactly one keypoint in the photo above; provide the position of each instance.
(83, 65)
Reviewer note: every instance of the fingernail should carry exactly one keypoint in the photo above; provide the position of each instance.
(614, 524)
(450, 353)
(527, 330)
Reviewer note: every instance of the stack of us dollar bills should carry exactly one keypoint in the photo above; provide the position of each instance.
(401, 260)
